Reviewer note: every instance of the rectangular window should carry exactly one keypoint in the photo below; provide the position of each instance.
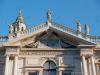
(66, 73)
(33, 73)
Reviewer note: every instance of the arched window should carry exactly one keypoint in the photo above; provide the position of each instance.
(49, 68)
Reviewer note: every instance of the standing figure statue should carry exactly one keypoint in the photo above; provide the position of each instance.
(49, 15)
(79, 26)
(87, 30)
(11, 29)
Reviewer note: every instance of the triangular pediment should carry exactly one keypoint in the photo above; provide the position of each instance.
(50, 37)
(48, 40)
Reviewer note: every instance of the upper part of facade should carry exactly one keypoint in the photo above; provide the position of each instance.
(49, 49)
(18, 29)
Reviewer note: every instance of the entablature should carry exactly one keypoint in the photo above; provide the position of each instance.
(51, 49)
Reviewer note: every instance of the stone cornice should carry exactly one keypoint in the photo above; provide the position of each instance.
(51, 49)
(97, 49)
(33, 66)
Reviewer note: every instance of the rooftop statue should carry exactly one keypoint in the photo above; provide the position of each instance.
(49, 15)
(79, 26)
(11, 29)
(87, 29)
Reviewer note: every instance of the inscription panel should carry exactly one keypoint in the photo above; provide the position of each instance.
(32, 61)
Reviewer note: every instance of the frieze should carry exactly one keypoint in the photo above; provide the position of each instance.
(39, 53)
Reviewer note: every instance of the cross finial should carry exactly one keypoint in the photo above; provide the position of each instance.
(20, 17)
(20, 12)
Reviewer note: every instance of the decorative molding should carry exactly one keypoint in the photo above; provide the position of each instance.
(22, 52)
(86, 52)
(12, 51)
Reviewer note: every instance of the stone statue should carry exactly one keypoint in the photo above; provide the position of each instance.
(61, 60)
(49, 15)
(87, 30)
(79, 26)
(11, 29)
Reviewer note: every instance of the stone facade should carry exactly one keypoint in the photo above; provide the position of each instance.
(48, 49)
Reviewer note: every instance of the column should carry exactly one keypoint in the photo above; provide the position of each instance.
(15, 65)
(97, 68)
(41, 72)
(6, 65)
(89, 65)
(84, 65)
(60, 72)
(93, 66)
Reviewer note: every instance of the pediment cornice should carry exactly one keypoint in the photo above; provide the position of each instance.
(64, 35)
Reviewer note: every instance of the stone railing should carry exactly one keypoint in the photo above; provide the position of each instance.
(95, 39)
(30, 31)
(33, 29)
(69, 30)
(3, 39)
(55, 25)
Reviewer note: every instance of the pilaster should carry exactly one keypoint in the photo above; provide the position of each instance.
(86, 54)
(12, 51)
(15, 65)
(60, 72)
(6, 65)
(93, 65)
(41, 72)
(84, 65)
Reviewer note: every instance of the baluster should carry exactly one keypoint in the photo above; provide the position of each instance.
(29, 30)
(40, 27)
(26, 31)
(33, 29)
(36, 27)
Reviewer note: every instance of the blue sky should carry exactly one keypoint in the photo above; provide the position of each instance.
(63, 12)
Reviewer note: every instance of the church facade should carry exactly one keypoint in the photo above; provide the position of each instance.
(49, 49)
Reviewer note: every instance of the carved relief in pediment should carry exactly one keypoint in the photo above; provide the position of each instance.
(66, 45)
(31, 42)
(46, 40)
(32, 45)
(49, 41)
(54, 41)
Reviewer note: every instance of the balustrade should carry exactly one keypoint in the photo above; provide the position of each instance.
(66, 29)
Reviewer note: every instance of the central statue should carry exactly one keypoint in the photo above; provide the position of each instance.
(49, 15)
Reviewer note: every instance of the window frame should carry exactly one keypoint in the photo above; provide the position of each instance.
(37, 72)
